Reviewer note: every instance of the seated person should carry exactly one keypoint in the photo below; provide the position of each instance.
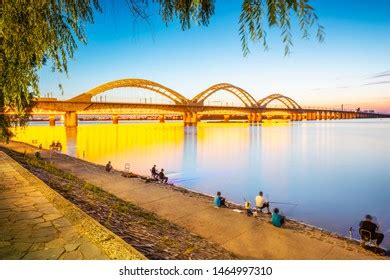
(154, 172)
(162, 177)
(108, 166)
(59, 146)
(219, 201)
(372, 228)
(248, 208)
(261, 203)
(277, 219)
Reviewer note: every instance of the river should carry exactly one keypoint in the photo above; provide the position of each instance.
(326, 173)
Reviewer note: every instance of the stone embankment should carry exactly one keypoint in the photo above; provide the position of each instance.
(38, 223)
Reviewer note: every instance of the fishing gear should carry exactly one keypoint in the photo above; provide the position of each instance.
(283, 203)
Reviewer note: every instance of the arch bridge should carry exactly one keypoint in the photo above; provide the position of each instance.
(191, 110)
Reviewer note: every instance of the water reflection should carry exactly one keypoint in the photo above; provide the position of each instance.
(335, 171)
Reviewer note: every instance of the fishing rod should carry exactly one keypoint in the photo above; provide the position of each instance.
(283, 203)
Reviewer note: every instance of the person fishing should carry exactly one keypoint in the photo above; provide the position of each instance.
(219, 201)
(162, 177)
(248, 208)
(154, 172)
(277, 219)
(108, 166)
(262, 203)
(367, 226)
(59, 146)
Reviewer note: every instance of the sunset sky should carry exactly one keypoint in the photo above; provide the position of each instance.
(352, 66)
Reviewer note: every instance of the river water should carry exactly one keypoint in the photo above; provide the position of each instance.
(333, 172)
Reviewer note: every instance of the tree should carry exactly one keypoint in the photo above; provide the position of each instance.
(34, 31)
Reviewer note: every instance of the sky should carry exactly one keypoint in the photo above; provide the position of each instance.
(351, 67)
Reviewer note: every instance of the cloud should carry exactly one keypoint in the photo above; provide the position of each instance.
(371, 81)
(330, 88)
(376, 83)
(380, 75)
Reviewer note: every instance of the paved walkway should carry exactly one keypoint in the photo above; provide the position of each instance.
(37, 223)
(247, 237)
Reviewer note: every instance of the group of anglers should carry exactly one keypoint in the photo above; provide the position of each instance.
(261, 203)
(55, 146)
(368, 230)
(158, 176)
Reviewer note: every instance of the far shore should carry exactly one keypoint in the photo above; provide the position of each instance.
(297, 240)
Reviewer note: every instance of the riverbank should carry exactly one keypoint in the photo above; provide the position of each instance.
(154, 236)
(37, 223)
(194, 212)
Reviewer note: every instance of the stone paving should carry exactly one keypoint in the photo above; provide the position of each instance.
(36, 223)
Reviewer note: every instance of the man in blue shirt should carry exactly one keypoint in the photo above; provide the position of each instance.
(277, 220)
(219, 201)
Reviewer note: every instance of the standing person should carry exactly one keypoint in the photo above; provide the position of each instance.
(368, 225)
(108, 166)
(277, 219)
(162, 176)
(154, 172)
(262, 203)
(219, 201)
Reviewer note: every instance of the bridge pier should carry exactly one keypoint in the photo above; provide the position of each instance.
(52, 120)
(190, 118)
(254, 118)
(161, 118)
(259, 118)
(71, 119)
(115, 119)
(294, 117)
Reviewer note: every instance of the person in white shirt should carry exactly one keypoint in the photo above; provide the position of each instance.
(262, 203)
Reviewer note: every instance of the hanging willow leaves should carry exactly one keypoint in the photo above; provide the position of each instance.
(32, 32)
(279, 14)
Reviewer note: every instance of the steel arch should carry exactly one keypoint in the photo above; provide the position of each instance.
(290, 103)
(243, 95)
(138, 83)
